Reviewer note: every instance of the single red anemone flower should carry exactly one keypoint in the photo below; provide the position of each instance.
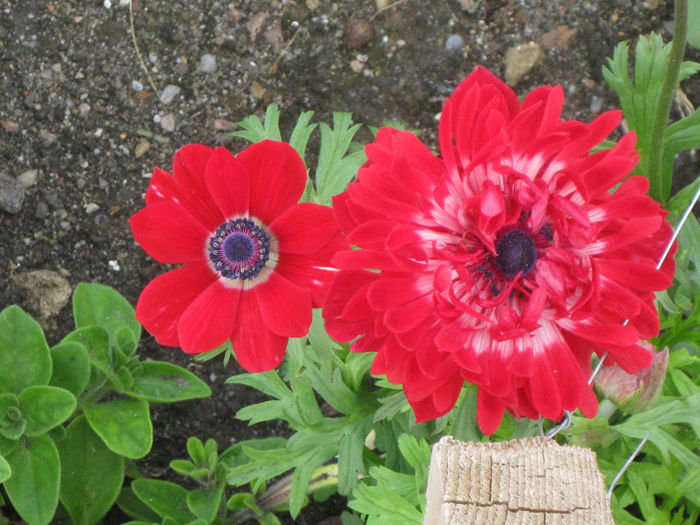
(505, 262)
(256, 260)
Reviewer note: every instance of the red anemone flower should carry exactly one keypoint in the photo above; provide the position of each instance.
(256, 260)
(505, 262)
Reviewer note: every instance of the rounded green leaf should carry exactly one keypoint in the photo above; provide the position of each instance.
(165, 498)
(162, 382)
(24, 355)
(96, 341)
(205, 503)
(12, 422)
(44, 407)
(36, 473)
(5, 470)
(91, 474)
(99, 305)
(124, 426)
(71, 367)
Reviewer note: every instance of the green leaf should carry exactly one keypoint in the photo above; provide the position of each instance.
(694, 23)
(133, 507)
(165, 498)
(182, 466)
(204, 503)
(124, 426)
(71, 367)
(243, 500)
(24, 355)
(95, 339)
(162, 382)
(34, 485)
(12, 421)
(44, 407)
(5, 470)
(301, 133)
(91, 474)
(350, 461)
(417, 453)
(99, 305)
(335, 168)
(195, 449)
(255, 131)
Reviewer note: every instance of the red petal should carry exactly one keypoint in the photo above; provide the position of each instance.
(304, 228)
(285, 308)
(635, 275)
(189, 165)
(209, 320)
(169, 234)
(229, 183)
(257, 348)
(167, 296)
(277, 178)
(406, 316)
(163, 187)
(489, 412)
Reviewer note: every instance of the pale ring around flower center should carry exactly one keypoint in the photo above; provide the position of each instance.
(241, 248)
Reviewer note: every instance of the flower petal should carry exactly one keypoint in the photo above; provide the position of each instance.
(209, 320)
(189, 164)
(167, 296)
(169, 233)
(277, 178)
(257, 348)
(304, 228)
(228, 182)
(285, 308)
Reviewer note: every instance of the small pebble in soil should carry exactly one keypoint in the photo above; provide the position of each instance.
(28, 178)
(11, 194)
(454, 42)
(207, 63)
(114, 265)
(136, 85)
(596, 105)
(169, 93)
(167, 122)
(358, 32)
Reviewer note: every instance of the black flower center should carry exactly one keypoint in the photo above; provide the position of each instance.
(239, 249)
(516, 252)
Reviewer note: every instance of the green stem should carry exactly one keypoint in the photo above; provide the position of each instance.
(663, 105)
(607, 408)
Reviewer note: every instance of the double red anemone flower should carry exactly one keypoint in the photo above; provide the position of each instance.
(505, 262)
(256, 261)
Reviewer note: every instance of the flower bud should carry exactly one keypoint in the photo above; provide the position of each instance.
(634, 392)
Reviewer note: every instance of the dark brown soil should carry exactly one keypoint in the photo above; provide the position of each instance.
(71, 109)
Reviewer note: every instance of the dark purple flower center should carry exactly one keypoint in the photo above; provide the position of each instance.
(239, 249)
(516, 252)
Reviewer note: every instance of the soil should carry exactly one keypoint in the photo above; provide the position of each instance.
(78, 116)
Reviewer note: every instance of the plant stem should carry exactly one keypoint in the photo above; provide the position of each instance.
(657, 188)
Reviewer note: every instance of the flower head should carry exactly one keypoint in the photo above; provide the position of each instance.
(505, 262)
(256, 261)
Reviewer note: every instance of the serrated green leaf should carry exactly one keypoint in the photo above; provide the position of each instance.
(71, 367)
(335, 167)
(167, 499)
(350, 461)
(417, 453)
(255, 131)
(301, 133)
(162, 382)
(91, 474)
(265, 411)
(24, 355)
(44, 407)
(99, 305)
(267, 382)
(124, 426)
(34, 485)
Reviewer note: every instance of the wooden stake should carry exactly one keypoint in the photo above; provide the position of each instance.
(529, 481)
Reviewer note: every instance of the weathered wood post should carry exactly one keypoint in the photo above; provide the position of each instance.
(528, 481)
